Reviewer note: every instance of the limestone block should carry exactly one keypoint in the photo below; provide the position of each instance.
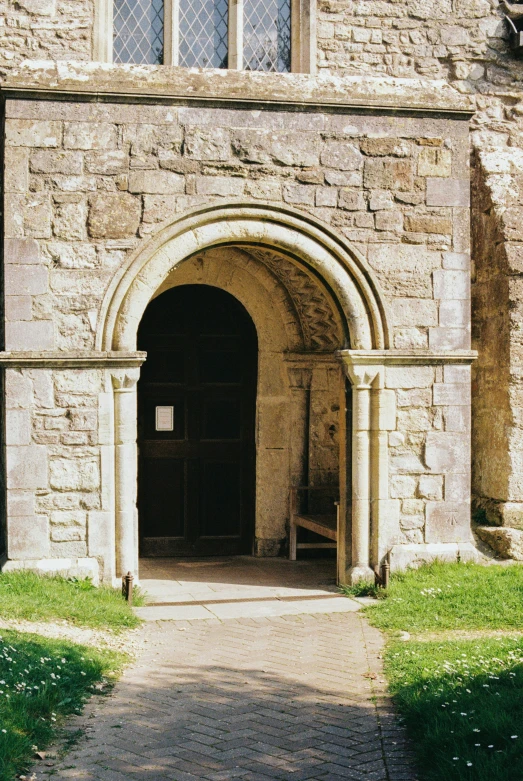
(447, 452)
(326, 196)
(18, 390)
(457, 418)
(386, 410)
(67, 534)
(21, 251)
(79, 381)
(16, 170)
(17, 427)
(454, 314)
(56, 162)
(415, 397)
(385, 147)
(448, 192)
(412, 521)
(29, 335)
(28, 536)
(37, 216)
(157, 182)
(399, 258)
(157, 208)
(425, 223)
(411, 338)
(38, 7)
(434, 161)
(14, 204)
(20, 503)
(342, 155)
(403, 556)
(454, 35)
(448, 522)
(75, 255)
(351, 200)
(18, 308)
(508, 543)
(396, 439)
(266, 189)
(207, 143)
(100, 536)
(456, 394)
(26, 467)
(219, 185)
(451, 285)
(406, 463)
(449, 339)
(84, 419)
(344, 178)
(25, 280)
(388, 174)
(113, 215)
(299, 194)
(431, 487)
(90, 135)
(414, 311)
(409, 376)
(414, 419)
(110, 163)
(380, 199)
(456, 261)
(69, 220)
(403, 487)
(69, 518)
(61, 550)
(33, 133)
(456, 374)
(72, 475)
(389, 221)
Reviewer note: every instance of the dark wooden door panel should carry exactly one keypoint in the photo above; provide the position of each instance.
(196, 482)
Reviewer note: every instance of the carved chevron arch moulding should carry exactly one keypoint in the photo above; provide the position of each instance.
(309, 242)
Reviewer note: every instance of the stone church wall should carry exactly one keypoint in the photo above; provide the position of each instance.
(91, 182)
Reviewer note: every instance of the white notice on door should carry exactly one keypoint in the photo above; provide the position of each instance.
(164, 418)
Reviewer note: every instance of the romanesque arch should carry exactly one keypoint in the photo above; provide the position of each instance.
(325, 299)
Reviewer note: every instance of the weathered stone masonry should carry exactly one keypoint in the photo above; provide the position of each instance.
(92, 187)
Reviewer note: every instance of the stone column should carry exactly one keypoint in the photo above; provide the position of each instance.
(364, 471)
(125, 470)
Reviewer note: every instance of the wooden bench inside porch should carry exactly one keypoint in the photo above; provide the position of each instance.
(323, 523)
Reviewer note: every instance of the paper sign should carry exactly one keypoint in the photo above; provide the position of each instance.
(164, 418)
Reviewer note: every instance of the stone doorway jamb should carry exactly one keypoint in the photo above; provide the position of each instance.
(125, 469)
(363, 500)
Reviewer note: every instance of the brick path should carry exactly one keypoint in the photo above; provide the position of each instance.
(288, 697)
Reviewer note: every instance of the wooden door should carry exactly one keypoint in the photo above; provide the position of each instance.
(196, 412)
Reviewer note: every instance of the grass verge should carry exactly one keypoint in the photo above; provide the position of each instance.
(41, 682)
(462, 700)
(26, 595)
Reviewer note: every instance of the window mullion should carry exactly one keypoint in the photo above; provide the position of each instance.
(235, 58)
(171, 36)
(103, 31)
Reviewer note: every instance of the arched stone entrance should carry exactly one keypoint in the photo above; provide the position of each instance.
(311, 298)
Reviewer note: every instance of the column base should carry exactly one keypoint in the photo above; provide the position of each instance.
(359, 574)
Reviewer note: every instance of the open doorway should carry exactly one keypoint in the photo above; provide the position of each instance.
(196, 424)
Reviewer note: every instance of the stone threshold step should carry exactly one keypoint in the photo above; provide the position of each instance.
(245, 599)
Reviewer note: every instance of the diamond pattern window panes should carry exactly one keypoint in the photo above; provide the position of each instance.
(138, 32)
(267, 35)
(203, 32)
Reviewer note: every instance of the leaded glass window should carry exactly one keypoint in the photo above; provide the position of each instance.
(203, 32)
(138, 32)
(267, 35)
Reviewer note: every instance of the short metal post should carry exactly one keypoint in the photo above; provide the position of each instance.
(127, 587)
(385, 574)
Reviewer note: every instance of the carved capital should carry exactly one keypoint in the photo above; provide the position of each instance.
(363, 376)
(300, 377)
(125, 379)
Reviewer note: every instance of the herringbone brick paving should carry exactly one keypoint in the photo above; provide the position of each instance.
(287, 698)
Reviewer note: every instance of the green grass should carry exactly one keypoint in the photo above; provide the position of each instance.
(462, 703)
(25, 595)
(452, 596)
(42, 681)
(456, 692)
